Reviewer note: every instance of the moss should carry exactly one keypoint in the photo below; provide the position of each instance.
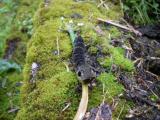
(111, 90)
(92, 50)
(115, 33)
(117, 57)
(112, 11)
(54, 86)
(153, 97)
(49, 99)
(8, 101)
(111, 86)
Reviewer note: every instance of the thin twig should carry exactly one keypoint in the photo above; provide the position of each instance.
(150, 89)
(83, 103)
(120, 112)
(152, 74)
(67, 106)
(130, 28)
(121, 4)
(154, 58)
(103, 3)
(57, 46)
(138, 59)
(66, 65)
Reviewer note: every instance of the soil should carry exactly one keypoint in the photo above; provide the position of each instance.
(10, 48)
(144, 86)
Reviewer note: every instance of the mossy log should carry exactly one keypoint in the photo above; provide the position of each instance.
(54, 86)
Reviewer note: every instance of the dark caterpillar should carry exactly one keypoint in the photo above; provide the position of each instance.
(79, 51)
(83, 70)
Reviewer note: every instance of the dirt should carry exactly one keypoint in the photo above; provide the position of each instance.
(144, 86)
(151, 31)
(10, 48)
(102, 112)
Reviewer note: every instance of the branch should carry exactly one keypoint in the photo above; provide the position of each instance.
(129, 28)
(83, 104)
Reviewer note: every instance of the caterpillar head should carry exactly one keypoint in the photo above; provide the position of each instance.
(85, 73)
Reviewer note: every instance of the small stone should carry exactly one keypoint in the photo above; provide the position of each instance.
(34, 65)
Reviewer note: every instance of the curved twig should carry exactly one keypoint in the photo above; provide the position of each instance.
(83, 104)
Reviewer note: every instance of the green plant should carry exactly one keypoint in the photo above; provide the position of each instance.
(8, 66)
(142, 11)
(26, 25)
(8, 5)
(7, 12)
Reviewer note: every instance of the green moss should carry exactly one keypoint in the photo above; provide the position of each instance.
(153, 97)
(92, 50)
(111, 12)
(50, 96)
(111, 86)
(111, 90)
(115, 33)
(7, 101)
(117, 57)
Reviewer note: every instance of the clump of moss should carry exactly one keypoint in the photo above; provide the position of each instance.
(92, 50)
(111, 90)
(111, 11)
(111, 86)
(117, 58)
(115, 33)
(153, 97)
(9, 95)
(50, 97)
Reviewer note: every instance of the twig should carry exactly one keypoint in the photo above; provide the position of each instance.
(140, 63)
(133, 113)
(127, 48)
(130, 28)
(138, 59)
(57, 46)
(150, 89)
(128, 55)
(120, 112)
(154, 58)
(66, 65)
(102, 3)
(83, 104)
(104, 93)
(121, 4)
(67, 106)
(152, 74)
(115, 103)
